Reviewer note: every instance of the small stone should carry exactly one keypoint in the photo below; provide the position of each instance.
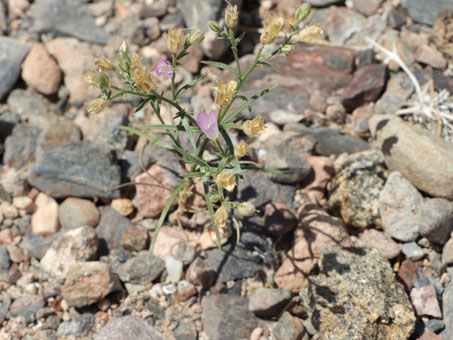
(76, 212)
(279, 219)
(44, 220)
(429, 55)
(123, 205)
(185, 290)
(367, 7)
(141, 269)
(185, 331)
(288, 327)
(6, 236)
(4, 258)
(27, 306)
(12, 52)
(167, 240)
(424, 12)
(183, 252)
(23, 203)
(40, 70)
(79, 326)
(15, 253)
(135, 238)
(447, 253)
(340, 23)
(366, 86)
(20, 146)
(424, 300)
(8, 210)
(88, 282)
(128, 327)
(380, 241)
(408, 272)
(399, 205)
(201, 273)
(174, 269)
(268, 302)
(413, 251)
(111, 228)
(436, 220)
(395, 19)
(76, 245)
(315, 184)
(429, 335)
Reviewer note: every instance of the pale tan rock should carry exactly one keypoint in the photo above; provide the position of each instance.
(208, 238)
(44, 221)
(41, 71)
(74, 246)
(77, 212)
(316, 183)
(123, 205)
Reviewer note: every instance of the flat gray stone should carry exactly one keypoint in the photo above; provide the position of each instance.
(67, 18)
(425, 12)
(141, 269)
(12, 53)
(128, 327)
(79, 326)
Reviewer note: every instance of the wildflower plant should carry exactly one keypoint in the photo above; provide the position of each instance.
(202, 128)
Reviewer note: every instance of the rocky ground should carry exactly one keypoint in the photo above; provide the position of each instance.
(355, 244)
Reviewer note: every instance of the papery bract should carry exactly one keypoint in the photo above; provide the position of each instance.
(164, 69)
(208, 124)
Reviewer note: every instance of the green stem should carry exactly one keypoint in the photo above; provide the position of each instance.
(234, 48)
(173, 92)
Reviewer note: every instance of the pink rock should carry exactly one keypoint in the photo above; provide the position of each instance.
(318, 230)
(44, 221)
(428, 335)
(75, 59)
(315, 184)
(6, 236)
(169, 238)
(367, 7)
(382, 242)
(428, 54)
(40, 70)
(151, 199)
(447, 253)
(425, 302)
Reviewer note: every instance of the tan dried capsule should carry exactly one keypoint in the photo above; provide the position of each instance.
(310, 32)
(174, 40)
(231, 16)
(96, 106)
(225, 92)
(196, 37)
(253, 127)
(246, 209)
(104, 64)
(241, 149)
(271, 30)
(226, 180)
(221, 216)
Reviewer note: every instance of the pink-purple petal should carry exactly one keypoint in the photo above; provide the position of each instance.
(163, 68)
(208, 124)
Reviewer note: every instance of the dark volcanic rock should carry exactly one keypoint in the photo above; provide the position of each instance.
(79, 326)
(356, 288)
(20, 147)
(76, 169)
(111, 228)
(67, 18)
(425, 12)
(366, 86)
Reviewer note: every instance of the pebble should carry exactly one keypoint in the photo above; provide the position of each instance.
(447, 252)
(185, 290)
(423, 158)
(397, 91)
(315, 184)
(424, 300)
(423, 12)
(135, 238)
(413, 251)
(127, 327)
(123, 205)
(44, 220)
(40, 70)
(141, 269)
(27, 306)
(367, 7)
(4, 257)
(268, 302)
(279, 219)
(15, 253)
(76, 169)
(340, 23)
(201, 273)
(186, 331)
(12, 52)
(429, 55)
(288, 327)
(20, 146)
(110, 229)
(399, 205)
(380, 241)
(8, 210)
(88, 283)
(37, 246)
(76, 245)
(436, 220)
(76, 212)
(174, 269)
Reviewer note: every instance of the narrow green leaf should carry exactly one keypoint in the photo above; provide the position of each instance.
(186, 125)
(237, 165)
(269, 66)
(159, 127)
(164, 214)
(211, 210)
(193, 174)
(152, 139)
(270, 171)
(248, 103)
(188, 86)
(143, 104)
(221, 65)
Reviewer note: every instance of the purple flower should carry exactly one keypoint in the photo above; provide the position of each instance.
(208, 124)
(163, 68)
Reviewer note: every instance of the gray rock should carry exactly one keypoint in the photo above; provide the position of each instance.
(395, 19)
(128, 327)
(141, 269)
(322, 3)
(436, 220)
(232, 262)
(429, 280)
(5, 303)
(434, 325)
(356, 288)
(20, 147)
(399, 205)
(3, 21)
(290, 156)
(12, 53)
(30, 106)
(423, 158)
(288, 327)
(398, 90)
(37, 245)
(268, 302)
(110, 229)
(79, 326)
(76, 212)
(341, 23)
(355, 188)
(227, 317)
(75, 169)
(186, 331)
(447, 304)
(27, 306)
(413, 251)
(67, 18)
(330, 141)
(425, 12)
(171, 20)
(4, 258)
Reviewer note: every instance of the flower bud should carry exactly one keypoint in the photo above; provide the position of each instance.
(310, 32)
(271, 30)
(104, 64)
(174, 42)
(254, 127)
(246, 209)
(226, 180)
(124, 61)
(102, 81)
(221, 216)
(215, 198)
(196, 37)
(124, 48)
(96, 106)
(214, 26)
(302, 12)
(241, 149)
(90, 77)
(287, 49)
(231, 16)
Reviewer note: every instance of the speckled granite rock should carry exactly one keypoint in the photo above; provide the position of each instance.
(356, 296)
(354, 190)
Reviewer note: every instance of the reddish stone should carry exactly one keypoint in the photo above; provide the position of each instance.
(408, 272)
(428, 335)
(316, 182)
(424, 300)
